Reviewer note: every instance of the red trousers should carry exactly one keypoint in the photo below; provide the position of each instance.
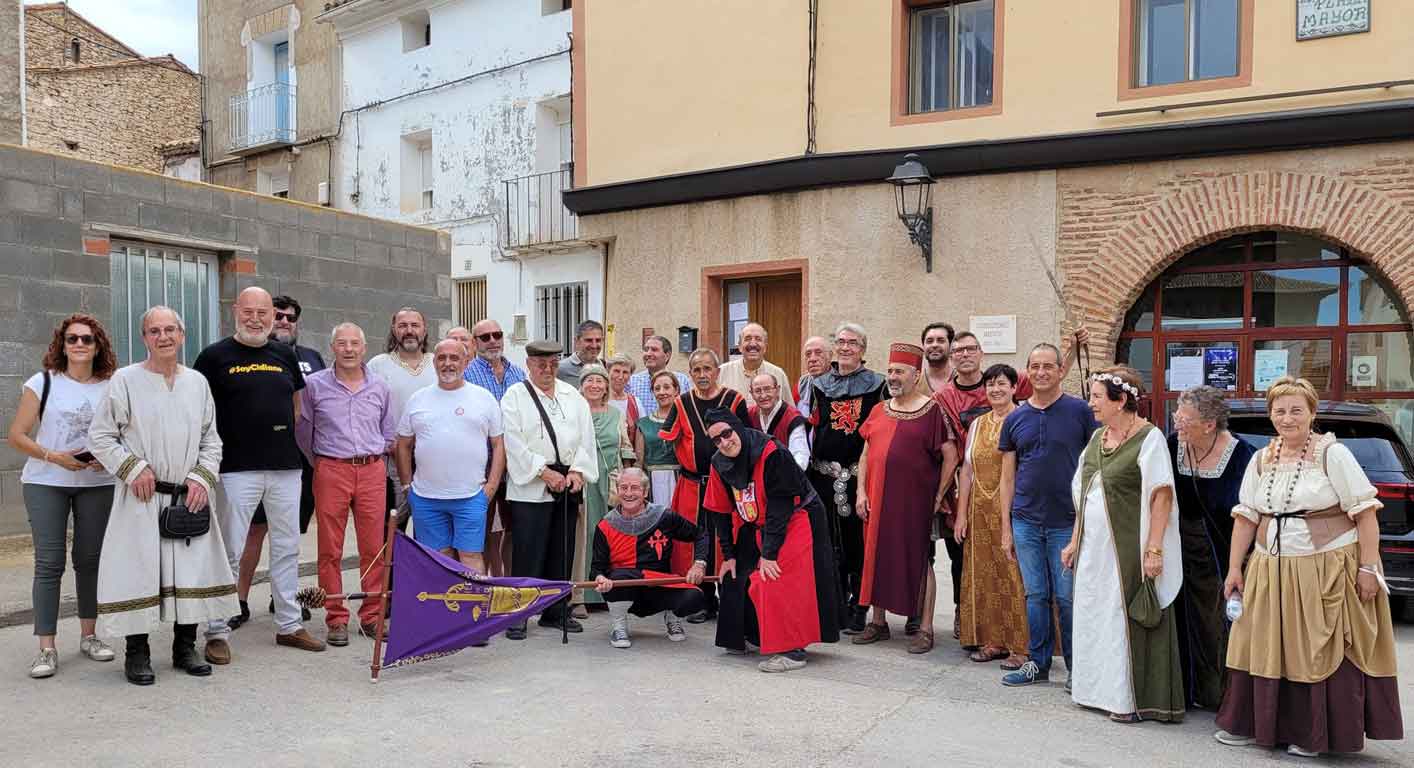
(339, 488)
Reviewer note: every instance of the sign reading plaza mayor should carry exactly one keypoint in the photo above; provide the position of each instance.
(1327, 18)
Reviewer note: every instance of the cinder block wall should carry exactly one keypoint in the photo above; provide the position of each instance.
(58, 216)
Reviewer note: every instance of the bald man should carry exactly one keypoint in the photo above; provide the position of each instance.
(255, 385)
(815, 353)
(737, 373)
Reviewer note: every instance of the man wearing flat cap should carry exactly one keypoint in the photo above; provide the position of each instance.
(550, 454)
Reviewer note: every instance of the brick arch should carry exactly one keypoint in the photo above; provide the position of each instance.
(1103, 287)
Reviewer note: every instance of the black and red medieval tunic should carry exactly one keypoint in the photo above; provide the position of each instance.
(685, 429)
(641, 547)
(786, 420)
(767, 510)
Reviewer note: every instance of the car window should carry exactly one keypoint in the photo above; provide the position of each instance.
(1375, 453)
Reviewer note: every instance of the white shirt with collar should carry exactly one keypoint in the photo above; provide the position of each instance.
(733, 375)
(528, 446)
(799, 446)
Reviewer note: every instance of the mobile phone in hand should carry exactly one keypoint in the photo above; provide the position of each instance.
(84, 456)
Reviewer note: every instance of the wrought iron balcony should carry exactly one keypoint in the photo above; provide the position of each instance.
(536, 216)
(262, 117)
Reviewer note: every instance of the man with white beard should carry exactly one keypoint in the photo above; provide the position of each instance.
(255, 385)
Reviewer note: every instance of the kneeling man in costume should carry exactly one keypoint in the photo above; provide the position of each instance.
(778, 585)
(635, 541)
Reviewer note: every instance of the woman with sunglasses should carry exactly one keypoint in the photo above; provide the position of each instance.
(62, 478)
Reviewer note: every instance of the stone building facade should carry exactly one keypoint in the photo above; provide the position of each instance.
(12, 81)
(89, 95)
(83, 236)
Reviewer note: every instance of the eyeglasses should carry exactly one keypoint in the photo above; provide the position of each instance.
(85, 339)
(855, 343)
(289, 317)
(721, 438)
(967, 350)
(489, 337)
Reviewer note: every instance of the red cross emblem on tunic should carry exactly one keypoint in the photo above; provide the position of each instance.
(844, 415)
(657, 541)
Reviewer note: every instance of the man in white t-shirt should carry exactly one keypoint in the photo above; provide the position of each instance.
(449, 428)
(406, 367)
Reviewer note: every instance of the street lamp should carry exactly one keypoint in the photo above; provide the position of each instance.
(913, 193)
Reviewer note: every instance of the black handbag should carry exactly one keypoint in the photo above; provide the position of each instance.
(176, 521)
(558, 465)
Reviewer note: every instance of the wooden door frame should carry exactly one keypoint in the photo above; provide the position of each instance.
(715, 278)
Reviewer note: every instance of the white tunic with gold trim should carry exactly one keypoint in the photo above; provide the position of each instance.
(144, 579)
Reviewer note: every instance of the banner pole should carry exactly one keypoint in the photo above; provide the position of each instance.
(376, 666)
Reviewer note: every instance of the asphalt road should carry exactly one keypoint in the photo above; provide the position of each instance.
(538, 703)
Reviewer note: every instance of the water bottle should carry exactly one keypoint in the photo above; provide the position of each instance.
(1234, 606)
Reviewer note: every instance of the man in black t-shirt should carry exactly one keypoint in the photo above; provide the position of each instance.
(255, 385)
(286, 331)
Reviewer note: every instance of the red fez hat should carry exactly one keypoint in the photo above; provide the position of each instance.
(906, 354)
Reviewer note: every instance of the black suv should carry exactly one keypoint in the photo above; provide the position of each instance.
(1367, 432)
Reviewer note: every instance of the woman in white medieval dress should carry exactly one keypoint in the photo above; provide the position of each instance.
(1127, 560)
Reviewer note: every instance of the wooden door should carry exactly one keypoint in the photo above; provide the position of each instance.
(775, 304)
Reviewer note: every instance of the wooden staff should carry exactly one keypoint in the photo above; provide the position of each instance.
(383, 594)
(314, 597)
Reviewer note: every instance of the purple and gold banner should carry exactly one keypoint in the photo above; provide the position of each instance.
(440, 606)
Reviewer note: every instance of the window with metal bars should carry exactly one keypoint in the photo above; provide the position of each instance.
(471, 301)
(559, 309)
(143, 276)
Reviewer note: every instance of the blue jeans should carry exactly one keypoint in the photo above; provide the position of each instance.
(1038, 550)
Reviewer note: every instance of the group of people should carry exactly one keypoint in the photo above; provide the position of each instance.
(1074, 527)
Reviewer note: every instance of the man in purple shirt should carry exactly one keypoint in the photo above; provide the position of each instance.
(345, 428)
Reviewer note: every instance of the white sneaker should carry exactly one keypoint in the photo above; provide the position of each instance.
(1292, 749)
(618, 636)
(675, 630)
(45, 664)
(780, 663)
(1233, 740)
(96, 649)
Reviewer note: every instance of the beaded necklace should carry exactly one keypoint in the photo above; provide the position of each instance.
(1290, 484)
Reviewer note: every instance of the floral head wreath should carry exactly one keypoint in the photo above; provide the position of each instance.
(1110, 378)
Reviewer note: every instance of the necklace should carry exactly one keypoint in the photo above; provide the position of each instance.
(1132, 423)
(1198, 462)
(1295, 477)
(415, 370)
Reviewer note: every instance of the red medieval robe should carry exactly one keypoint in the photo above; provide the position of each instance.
(904, 464)
(776, 517)
(787, 419)
(685, 429)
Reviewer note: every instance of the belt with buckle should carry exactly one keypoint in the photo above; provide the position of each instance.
(841, 475)
(357, 461)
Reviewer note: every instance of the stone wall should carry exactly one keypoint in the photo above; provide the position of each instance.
(59, 214)
(11, 73)
(120, 112)
(51, 28)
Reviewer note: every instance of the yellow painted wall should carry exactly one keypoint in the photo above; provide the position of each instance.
(731, 90)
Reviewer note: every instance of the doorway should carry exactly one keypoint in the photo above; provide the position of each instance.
(770, 293)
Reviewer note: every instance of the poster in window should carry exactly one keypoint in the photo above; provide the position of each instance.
(1270, 365)
(1364, 370)
(1220, 368)
(1327, 18)
(1185, 372)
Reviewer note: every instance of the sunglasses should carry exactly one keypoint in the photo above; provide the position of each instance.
(85, 339)
(489, 337)
(289, 317)
(722, 438)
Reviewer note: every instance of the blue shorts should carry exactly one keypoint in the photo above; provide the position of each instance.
(458, 524)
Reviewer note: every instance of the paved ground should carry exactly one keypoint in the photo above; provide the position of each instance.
(538, 703)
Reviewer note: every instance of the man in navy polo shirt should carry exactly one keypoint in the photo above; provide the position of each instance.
(1041, 442)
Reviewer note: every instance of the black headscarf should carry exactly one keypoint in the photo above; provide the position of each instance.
(738, 471)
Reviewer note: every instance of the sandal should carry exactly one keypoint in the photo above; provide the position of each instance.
(990, 653)
(872, 633)
(1013, 662)
(922, 642)
(1129, 719)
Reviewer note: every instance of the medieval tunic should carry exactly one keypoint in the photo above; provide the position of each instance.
(688, 434)
(612, 442)
(144, 579)
(993, 604)
(905, 460)
(1121, 666)
(659, 461)
(776, 517)
(641, 547)
(1205, 500)
(1309, 662)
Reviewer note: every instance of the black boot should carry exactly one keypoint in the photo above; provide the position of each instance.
(235, 622)
(137, 663)
(184, 655)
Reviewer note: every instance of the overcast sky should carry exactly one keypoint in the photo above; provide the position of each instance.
(151, 27)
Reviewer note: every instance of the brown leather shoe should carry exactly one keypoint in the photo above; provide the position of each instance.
(370, 630)
(921, 643)
(218, 652)
(872, 633)
(338, 635)
(300, 639)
